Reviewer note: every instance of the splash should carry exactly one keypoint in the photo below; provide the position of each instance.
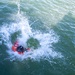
(43, 52)
(46, 40)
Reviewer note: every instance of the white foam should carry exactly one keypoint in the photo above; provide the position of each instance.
(46, 40)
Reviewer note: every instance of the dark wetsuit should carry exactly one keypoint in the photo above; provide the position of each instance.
(20, 49)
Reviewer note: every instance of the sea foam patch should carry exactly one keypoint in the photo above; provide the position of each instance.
(45, 39)
(44, 51)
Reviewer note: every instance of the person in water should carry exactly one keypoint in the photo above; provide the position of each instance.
(21, 49)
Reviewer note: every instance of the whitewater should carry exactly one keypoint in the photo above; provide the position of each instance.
(47, 27)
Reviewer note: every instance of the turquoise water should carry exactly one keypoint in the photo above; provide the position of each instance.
(47, 27)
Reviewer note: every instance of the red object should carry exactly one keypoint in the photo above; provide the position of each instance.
(14, 48)
(20, 52)
(28, 49)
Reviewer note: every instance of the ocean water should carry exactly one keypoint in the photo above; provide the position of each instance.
(47, 27)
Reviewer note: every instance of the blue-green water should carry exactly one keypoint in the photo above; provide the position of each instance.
(47, 27)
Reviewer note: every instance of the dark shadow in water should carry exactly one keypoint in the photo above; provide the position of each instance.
(65, 29)
(14, 36)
